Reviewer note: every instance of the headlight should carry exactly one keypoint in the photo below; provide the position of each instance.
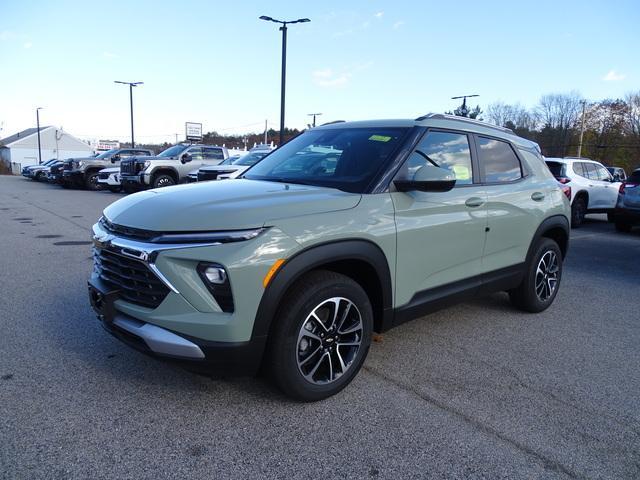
(80, 164)
(208, 237)
(147, 164)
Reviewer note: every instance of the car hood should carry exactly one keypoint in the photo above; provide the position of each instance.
(143, 158)
(231, 205)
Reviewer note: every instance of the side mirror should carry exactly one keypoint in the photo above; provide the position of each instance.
(428, 179)
(185, 158)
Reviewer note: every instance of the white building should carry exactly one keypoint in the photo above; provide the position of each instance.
(21, 150)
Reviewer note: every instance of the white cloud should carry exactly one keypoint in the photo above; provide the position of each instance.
(379, 14)
(7, 35)
(328, 78)
(27, 45)
(614, 76)
(398, 24)
(109, 55)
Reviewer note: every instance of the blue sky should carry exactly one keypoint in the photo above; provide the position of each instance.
(216, 63)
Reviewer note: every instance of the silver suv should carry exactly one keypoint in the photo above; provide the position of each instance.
(170, 167)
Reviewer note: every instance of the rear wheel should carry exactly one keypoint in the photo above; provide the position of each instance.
(163, 180)
(322, 336)
(578, 211)
(542, 278)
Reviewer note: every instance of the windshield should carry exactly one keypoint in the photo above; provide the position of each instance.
(250, 158)
(558, 169)
(173, 151)
(107, 154)
(344, 158)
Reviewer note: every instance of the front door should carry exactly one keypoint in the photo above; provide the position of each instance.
(440, 235)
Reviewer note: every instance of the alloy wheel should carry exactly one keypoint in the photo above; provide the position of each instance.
(329, 340)
(547, 275)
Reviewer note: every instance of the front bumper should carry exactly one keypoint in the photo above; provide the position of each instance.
(140, 179)
(236, 358)
(75, 177)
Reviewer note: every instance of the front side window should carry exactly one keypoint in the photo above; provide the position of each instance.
(445, 150)
(196, 153)
(603, 173)
(498, 161)
(344, 158)
(173, 151)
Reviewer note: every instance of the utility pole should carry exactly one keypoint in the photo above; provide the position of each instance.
(131, 85)
(581, 130)
(314, 117)
(38, 125)
(265, 132)
(463, 109)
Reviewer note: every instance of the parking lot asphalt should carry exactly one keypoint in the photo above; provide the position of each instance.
(479, 390)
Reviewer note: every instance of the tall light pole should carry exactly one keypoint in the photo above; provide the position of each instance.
(283, 29)
(38, 124)
(314, 115)
(463, 109)
(131, 85)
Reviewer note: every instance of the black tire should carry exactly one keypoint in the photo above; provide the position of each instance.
(65, 185)
(39, 177)
(163, 180)
(528, 296)
(611, 217)
(578, 211)
(129, 188)
(313, 293)
(623, 227)
(114, 188)
(91, 181)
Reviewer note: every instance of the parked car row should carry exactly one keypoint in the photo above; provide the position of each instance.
(132, 169)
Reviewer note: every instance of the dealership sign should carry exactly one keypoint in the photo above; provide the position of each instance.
(194, 131)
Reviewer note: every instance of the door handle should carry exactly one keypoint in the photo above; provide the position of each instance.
(537, 196)
(474, 202)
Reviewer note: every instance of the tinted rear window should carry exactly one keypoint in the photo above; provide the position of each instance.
(634, 177)
(558, 169)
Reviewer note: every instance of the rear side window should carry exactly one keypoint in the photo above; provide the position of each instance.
(213, 154)
(498, 161)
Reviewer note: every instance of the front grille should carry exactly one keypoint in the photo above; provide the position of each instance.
(103, 176)
(128, 232)
(134, 281)
(130, 168)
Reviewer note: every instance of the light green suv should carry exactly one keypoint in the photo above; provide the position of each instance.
(350, 228)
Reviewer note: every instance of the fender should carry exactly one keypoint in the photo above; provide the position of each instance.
(160, 170)
(554, 222)
(315, 257)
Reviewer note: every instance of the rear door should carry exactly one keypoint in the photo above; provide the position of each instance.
(517, 203)
(440, 235)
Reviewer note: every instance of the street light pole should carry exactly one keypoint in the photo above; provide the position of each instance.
(38, 125)
(131, 85)
(464, 110)
(314, 117)
(283, 29)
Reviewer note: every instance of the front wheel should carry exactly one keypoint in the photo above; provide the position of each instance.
(540, 284)
(578, 211)
(322, 336)
(91, 181)
(163, 180)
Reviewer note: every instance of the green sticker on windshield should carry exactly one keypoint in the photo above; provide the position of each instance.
(379, 138)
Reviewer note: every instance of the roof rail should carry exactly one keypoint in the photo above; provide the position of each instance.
(331, 123)
(444, 116)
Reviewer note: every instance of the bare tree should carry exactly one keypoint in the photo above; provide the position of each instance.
(632, 116)
(514, 116)
(559, 110)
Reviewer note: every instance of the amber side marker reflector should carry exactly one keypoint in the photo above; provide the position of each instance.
(272, 271)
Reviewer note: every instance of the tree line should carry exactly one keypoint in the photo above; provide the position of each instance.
(611, 126)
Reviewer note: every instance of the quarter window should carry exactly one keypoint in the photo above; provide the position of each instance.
(443, 149)
(498, 161)
(196, 153)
